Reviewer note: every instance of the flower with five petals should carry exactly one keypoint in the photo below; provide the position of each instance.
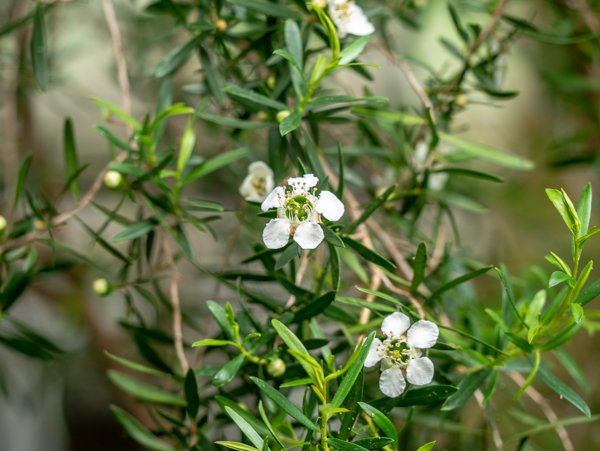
(299, 211)
(401, 353)
(349, 18)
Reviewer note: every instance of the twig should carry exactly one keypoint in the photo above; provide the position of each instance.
(176, 304)
(115, 34)
(540, 400)
(497, 439)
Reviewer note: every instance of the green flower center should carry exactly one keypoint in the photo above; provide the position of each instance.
(398, 351)
(298, 208)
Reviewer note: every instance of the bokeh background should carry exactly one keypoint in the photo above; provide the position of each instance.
(554, 120)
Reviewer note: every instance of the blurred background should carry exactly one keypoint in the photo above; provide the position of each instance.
(61, 403)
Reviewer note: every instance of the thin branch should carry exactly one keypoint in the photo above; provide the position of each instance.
(299, 276)
(541, 401)
(496, 437)
(115, 34)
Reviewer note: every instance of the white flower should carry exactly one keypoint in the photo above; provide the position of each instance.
(401, 353)
(258, 182)
(349, 18)
(299, 212)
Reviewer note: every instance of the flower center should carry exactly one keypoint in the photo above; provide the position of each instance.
(343, 9)
(397, 351)
(260, 185)
(298, 208)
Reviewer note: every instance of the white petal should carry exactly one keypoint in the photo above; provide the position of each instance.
(247, 190)
(302, 184)
(276, 233)
(423, 334)
(391, 382)
(373, 357)
(357, 23)
(329, 206)
(274, 199)
(419, 371)
(308, 235)
(395, 324)
(260, 169)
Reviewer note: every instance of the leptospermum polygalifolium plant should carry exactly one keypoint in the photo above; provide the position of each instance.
(347, 319)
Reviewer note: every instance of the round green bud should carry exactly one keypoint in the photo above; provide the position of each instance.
(271, 80)
(113, 179)
(276, 368)
(282, 115)
(102, 287)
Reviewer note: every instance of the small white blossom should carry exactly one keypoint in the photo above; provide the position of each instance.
(258, 182)
(349, 18)
(401, 353)
(299, 212)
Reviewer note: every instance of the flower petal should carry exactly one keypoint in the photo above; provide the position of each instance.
(276, 233)
(304, 183)
(308, 235)
(395, 324)
(358, 24)
(248, 191)
(373, 357)
(423, 334)
(391, 382)
(260, 169)
(329, 206)
(419, 371)
(274, 199)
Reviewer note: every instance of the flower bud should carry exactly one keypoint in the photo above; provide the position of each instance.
(38, 224)
(276, 367)
(221, 25)
(262, 116)
(2, 224)
(461, 100)
(282, 115)
(113, 179)
(271, 80)
(102, 287)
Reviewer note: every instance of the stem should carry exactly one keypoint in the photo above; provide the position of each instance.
(324, 445)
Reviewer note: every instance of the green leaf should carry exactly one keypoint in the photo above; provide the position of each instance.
(419, 265)
(136, 366)
(345, 446)
(558, 262)
(468, 173)
(188, 141)
(352, 50)
(138, 432)
(135, 231)
(263, 416)
(427, 446)
(212, 77)
(144, 392)
(458, 281)
(369, 254)
(565, 207)
(425, 396)
(258, 100)
(211, 342)
(236, 445)
(228, 371)
(271, 9)
(246, 428)
(578, 313)
(564, 391)
(584, 208)
(231, 122)
(582, 279)
(289, 253)
(558, 277)
(220, 317)
(71, 157)
(371, 208)
(458, 25)
(315, 307)
(465, 389)
(487, 153)
(39, 58)
(175, 58)
(215, 163)
(245, 414)
(381, 420)
(284, 403)
(21, 179)
(374, 442)
(191, 393)
(589, 293)
(117, 112)
(357, 361)
(297, 349)
(290, 123)
(113, 139)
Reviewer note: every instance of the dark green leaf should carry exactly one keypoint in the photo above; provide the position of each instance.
(258, 100)
(288, 254)
(458, 281)
(142, 391)
(71, 157)
(369, 254)
(284, 403)
(21, 179)
(315, 307)
(345, 446)
(176, 58)
(191, 393)
(271, 9)
(135, 231)
(564, 391)
(352, 50)
(246, 428)
(465, 389)
(381, 420)
(228, 371)
(290, 123)
(215, 163)
(419, 265)
(138, 432)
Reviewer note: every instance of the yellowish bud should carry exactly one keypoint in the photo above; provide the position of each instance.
(102, 287)
(113, 179)
(461, 100)
(276, 368)
(2, 224)
(38, 224)
(221, 25)
(262, 116)
(282, 115)
(271, 80)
